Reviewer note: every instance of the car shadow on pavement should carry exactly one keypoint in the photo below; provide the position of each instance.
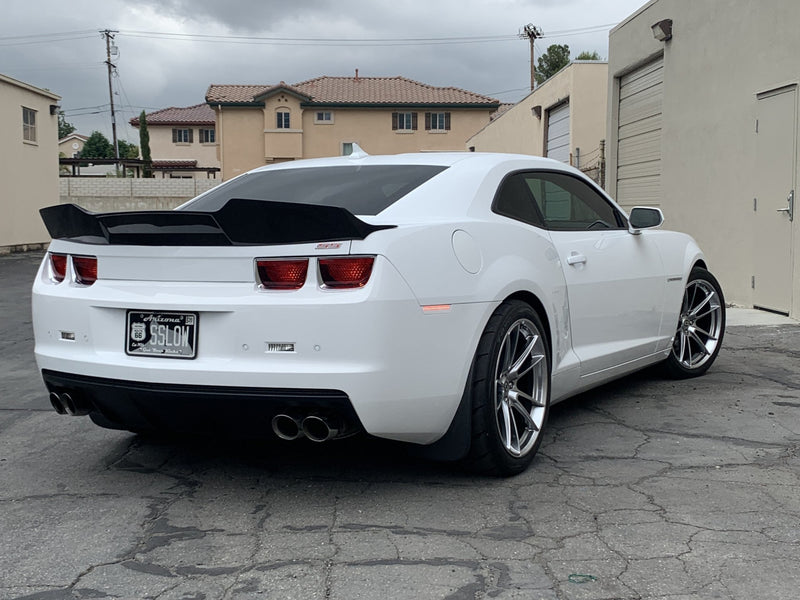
(353, 458)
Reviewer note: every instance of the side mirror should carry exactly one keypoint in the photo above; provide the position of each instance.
(644, 217)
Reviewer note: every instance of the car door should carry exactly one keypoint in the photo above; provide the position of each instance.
(615, 280)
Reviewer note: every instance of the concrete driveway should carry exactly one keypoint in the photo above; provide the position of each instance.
(645, 488)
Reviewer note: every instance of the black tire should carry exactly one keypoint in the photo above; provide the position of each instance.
(701, 327)
(509, 406)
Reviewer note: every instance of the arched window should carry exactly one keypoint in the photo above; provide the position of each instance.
(283, 118)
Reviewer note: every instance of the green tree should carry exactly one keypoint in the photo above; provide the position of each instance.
(144, 143)
(552, 61)
(586, 55)
(127, 150)
(64, 128)
(97, 146)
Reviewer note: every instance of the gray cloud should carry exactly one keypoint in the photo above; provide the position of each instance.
(156, 72)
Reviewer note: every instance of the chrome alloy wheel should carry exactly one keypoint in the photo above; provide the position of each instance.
(700, 325)
(520, 387)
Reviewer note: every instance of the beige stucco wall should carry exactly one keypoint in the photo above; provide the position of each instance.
(249, 137)
(240, 135)
(721, 55)
(283, 144)
(163, 148)
(372, 130)
(29, 171)
(519, 130)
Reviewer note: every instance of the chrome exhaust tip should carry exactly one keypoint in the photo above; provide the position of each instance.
(318, 429)
(58, 406)
(286, 427)
(73, 405)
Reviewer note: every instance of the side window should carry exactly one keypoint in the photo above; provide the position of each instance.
(569, 204)
(514, 200)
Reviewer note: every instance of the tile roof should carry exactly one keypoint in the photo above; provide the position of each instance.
(354, 90)
(505, 106)
(199, 114)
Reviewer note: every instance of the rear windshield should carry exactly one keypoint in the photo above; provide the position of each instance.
(363, 190)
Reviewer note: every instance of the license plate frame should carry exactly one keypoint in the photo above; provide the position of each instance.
(175, 334)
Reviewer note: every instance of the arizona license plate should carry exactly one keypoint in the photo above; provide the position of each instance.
(161, 334)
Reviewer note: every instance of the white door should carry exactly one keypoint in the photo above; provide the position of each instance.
(775, 191)
(615, 280)
(558, 132)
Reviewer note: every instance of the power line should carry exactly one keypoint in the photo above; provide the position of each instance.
(30, 40)
(324, 42)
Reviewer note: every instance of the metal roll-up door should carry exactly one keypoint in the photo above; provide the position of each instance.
(558, 132)
(639, 136)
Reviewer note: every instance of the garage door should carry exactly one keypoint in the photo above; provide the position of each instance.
(639, 136)
(558, 132)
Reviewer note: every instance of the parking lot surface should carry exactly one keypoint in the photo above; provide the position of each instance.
(644, 488)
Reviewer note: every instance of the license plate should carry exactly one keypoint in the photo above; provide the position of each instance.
(161, 334)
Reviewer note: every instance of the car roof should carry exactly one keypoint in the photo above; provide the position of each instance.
(467, 184)
(485, 160)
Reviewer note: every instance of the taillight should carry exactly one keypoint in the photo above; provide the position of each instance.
(58, 267)
(282, 273)
(85, 269)
(346, 271)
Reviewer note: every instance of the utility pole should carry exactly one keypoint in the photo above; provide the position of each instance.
(108, 34)
(531, 32)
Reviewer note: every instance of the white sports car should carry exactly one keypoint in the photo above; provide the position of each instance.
(444, 300)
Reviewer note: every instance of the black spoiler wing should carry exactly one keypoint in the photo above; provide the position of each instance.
(239, 222)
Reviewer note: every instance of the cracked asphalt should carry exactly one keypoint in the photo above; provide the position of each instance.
(645, 488)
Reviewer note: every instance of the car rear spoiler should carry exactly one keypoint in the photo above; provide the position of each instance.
(238, 222)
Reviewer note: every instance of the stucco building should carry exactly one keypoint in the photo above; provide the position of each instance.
(183, 141)
(71, 145)
(703, 122)
(28, 161)
(564, 118)
(262, 124)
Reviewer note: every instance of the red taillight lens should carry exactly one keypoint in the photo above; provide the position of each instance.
(282, 273)
(85, 269)
(58, 267)
(346, 272)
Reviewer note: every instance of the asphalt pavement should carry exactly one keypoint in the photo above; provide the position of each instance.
(644, 488)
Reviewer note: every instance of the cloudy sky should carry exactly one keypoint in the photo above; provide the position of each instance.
(171, 50)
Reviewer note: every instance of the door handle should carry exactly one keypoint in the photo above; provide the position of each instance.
(575, 258)
(789, 209)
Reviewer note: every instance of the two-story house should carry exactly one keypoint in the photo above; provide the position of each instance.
(183, 141)
(262, 124)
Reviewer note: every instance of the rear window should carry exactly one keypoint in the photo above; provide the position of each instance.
(363, 190)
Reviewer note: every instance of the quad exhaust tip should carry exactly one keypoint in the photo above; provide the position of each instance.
(316, 428)
(55, 400)
(66, 403)
(286, 427)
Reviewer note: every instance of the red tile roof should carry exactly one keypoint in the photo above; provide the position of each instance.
(354, 90)
(199, 114)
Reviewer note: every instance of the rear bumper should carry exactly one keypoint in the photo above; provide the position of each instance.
(246, 412)
(402, 370)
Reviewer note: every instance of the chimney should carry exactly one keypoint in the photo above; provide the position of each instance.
(356, 74)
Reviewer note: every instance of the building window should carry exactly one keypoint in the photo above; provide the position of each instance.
(182, 136)
(437, 121)
(347, 148)
(324, 117)
(207, 136)
(28, 124)
(404, 121)
(283, 119)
